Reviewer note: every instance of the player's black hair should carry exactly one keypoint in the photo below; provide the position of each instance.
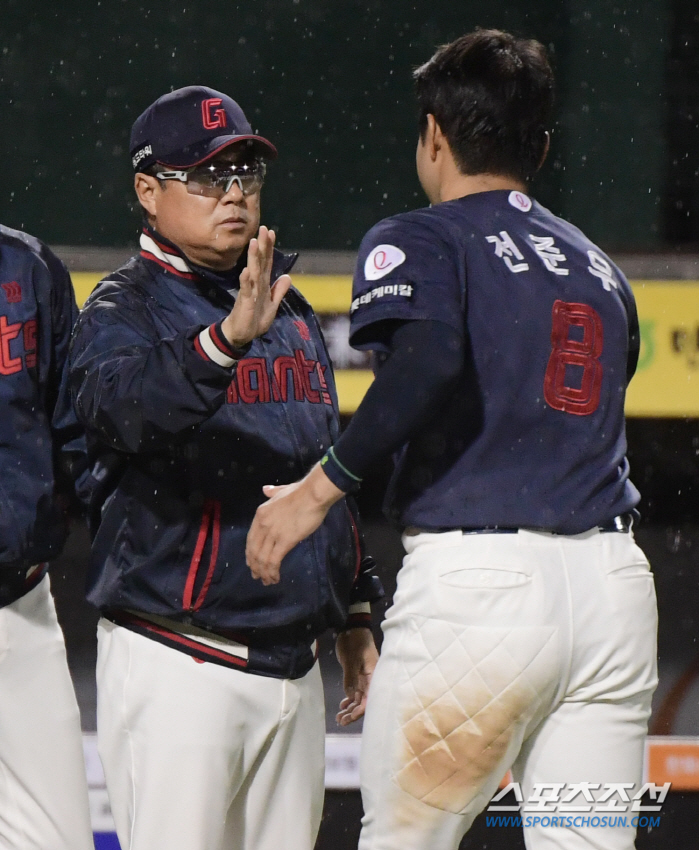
(491, 94)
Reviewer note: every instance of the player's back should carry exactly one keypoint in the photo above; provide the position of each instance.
(533, 435)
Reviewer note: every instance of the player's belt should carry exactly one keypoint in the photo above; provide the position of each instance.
(622, 523)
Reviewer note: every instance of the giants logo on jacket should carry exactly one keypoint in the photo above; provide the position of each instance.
(297, 378)
(10, 356)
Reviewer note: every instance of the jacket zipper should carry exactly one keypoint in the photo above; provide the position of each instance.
(211, 518)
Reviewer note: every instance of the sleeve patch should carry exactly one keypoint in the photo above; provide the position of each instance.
(401, 290)
(520, 201)
(382, 260)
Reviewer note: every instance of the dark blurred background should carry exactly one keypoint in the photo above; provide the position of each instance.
(330, 84)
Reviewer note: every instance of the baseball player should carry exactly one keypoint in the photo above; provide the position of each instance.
(199, 373)
(43, 789)
(522, 632)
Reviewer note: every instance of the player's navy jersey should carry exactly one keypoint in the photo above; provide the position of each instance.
(533, 435)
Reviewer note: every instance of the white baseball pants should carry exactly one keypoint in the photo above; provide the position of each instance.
(202, 757)
(43, 789)
(527, 651)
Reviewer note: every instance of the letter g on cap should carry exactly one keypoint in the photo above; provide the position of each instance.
(212, 117)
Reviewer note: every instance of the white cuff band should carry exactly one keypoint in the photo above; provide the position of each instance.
(212, 351)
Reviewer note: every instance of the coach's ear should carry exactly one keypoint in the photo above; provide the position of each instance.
(146, 187)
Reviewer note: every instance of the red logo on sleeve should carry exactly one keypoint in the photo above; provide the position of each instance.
(13, 292)
(211, 116)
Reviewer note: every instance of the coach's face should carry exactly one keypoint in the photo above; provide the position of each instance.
(212, 232)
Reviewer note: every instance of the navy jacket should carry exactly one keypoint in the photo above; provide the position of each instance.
(38, 432)
(180, 446)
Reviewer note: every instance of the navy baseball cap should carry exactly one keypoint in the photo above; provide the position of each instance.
(188, 126)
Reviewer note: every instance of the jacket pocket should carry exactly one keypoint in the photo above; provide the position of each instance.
(209, 529)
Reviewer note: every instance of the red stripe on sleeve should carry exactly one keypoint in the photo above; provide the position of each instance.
(221, 344)
(200, 351)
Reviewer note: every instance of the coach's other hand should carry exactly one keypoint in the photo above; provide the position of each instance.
(292, 513)
(257, 302)
(357, 653)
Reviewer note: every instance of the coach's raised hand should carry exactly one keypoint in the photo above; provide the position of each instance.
(258, 300)
(292, 513)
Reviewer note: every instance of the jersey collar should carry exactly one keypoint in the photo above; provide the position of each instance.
(156, 248)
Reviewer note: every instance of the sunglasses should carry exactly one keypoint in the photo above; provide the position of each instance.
(215, 181)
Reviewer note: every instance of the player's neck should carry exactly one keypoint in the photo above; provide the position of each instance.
(457, 185)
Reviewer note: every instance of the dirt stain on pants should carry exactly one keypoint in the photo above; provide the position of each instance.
(454, 740)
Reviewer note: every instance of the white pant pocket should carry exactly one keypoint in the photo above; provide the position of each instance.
(483, 577)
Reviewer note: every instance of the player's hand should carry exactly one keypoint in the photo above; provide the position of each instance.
(357, 653)
(292, 513)
(258, 301)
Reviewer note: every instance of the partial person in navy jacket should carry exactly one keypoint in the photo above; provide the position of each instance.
(43, 788)
(201, 374)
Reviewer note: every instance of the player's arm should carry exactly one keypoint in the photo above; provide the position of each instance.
(408, 284)
(408, 296)
(425, 359)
